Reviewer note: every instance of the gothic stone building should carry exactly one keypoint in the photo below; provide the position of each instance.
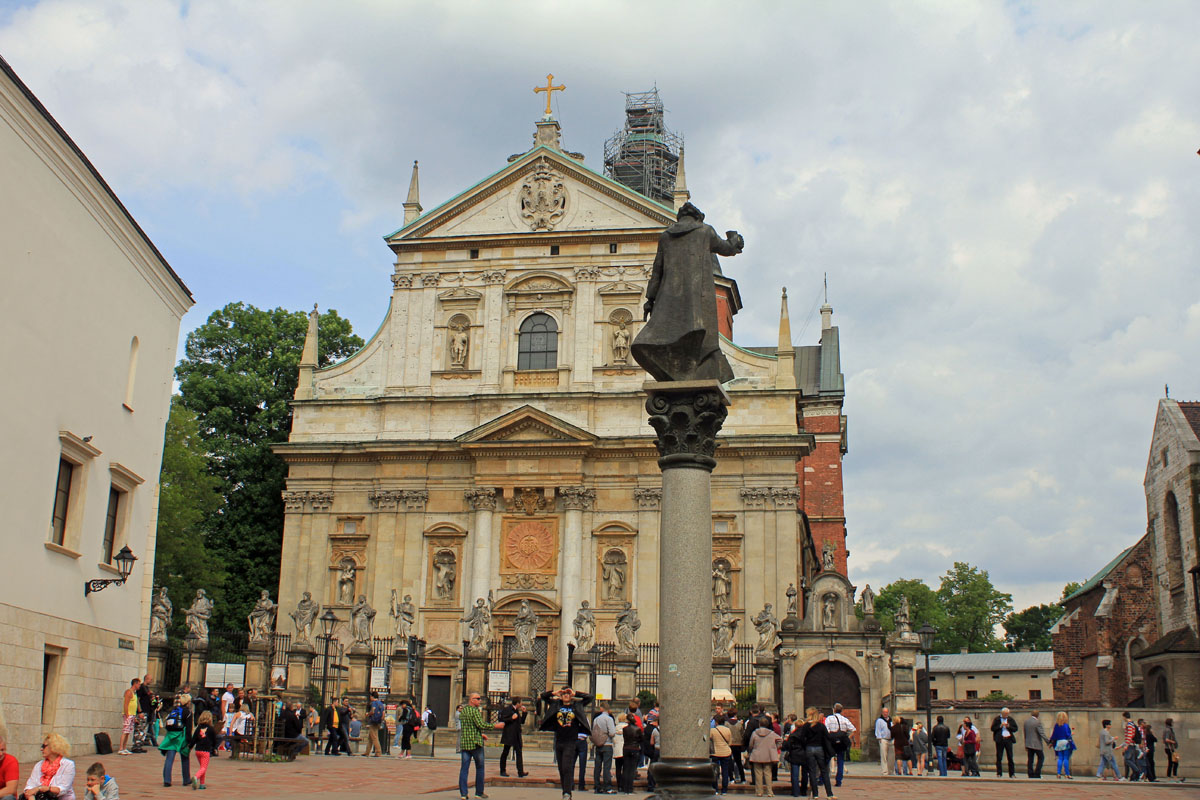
(491, 438)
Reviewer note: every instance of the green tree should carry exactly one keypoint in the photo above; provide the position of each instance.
(1070, 589)
(923, 605)
(1031, 627)
(973, 608)
(238, 376)
(187, 495)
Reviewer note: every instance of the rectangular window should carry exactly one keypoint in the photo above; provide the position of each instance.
(970, 677)
(1035, 677)
(51, 666)
(972, 694)
(933, 678)
(933, 694)
(1035, 694)
(553, 249)
(995, 677)
(62, 502)
(110, 523)
(474, 253)
(612, 248)
(1164, 457)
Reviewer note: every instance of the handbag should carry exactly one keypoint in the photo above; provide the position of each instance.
(1061, 745)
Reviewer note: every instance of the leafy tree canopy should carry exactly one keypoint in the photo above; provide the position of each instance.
(1031, 627)
(1070, 589)
(922, 605)
(238, 374)
(973, 608)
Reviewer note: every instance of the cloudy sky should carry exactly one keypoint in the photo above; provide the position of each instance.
(999, 193)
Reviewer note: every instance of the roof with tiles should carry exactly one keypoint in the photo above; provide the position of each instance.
(1191, 412)
(992, 662)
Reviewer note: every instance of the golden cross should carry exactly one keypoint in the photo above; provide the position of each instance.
(549, 89)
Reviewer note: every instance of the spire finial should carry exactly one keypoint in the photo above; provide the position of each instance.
(785, 377)
(681, 194)
(412, 206)
(549, 89)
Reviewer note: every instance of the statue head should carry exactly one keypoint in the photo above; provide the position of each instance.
(585, 604)
(689, 210)
(265, 595)
(408, 598)
(362, 598)
(307, 598)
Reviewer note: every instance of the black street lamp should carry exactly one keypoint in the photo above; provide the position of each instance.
(927, 633)
(328, 621)
(124, 560)
(1195, 573)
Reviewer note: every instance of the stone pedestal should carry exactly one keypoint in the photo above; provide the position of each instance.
(903, 647)
(258, 666)
(156, 664)
(686, 416)
(195, 661)
(791, 683)
(477, 673)
(722, 686)
(299, 674)
(398, 682)
(520, 666)
(625, 678)
(764, 680)
(583, 672)
(359, 682)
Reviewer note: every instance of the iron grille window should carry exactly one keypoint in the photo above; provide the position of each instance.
(62, 501)
(537, 346)
(110, 523)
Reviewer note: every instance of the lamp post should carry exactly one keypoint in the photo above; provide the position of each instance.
(124, 560)
(1195, 573)
(927, 633)
(328, 620)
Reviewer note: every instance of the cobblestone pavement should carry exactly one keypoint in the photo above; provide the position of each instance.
(328, 778)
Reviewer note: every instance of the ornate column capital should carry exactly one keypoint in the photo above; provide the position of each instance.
(414, 499)
(577, 498)
(429, 279)
(587, 273)
(294, 501)
(481, 499)
(320, 501)
(493, 276)
(648, 499)
(754, 497)
(402, 281)
(786, 497)
(384, 498)
(686, 416)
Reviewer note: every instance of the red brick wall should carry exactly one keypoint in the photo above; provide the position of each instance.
(1080, 643)
(724, 312)
(820, 479)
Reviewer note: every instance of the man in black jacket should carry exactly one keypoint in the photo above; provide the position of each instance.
(566, 719)
(939, 737)
(1004, 733)
(513, 716)
(331, 721)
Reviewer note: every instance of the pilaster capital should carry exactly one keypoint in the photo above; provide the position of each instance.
(402, 281)
(429, 279)
(493, 276)
(754, 497)
(294, 501)
(577, 498)
(320, 501)
(414, 499)
(648, 498)
(384, 498)
(786, 497)
(481, 499)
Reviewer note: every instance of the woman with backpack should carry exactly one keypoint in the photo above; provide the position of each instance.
(177, 730)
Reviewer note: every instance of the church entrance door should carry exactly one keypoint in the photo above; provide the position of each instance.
(830, 682)
(439, 699)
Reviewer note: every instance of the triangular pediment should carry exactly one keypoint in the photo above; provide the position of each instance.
(526, 425)
(541, 192)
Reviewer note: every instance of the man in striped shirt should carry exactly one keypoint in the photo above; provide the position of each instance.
(471, 727)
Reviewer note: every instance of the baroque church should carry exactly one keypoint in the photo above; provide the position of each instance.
(489, 444)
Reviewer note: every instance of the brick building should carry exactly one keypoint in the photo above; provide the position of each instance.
(1107, 622)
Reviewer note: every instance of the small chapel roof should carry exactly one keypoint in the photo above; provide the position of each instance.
(1095, 580)
(992, 662)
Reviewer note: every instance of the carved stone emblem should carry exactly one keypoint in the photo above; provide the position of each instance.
(530, 547)
(543, 197)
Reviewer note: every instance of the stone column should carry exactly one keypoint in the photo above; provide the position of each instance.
(625, 678)
(398, 685)
(195, 661)
(359, 683)
(156, 663)
(258, 665)
(686, 416)
(483, 501)
(582, 671)
(575, 499)
(520, 665)
(299, 675)
(764, 679)
(477, 671)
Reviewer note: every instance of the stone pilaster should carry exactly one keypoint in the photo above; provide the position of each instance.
(722, 679)
(299, 675)
(258, 665)
(398, 684)
(764, 679)
(476, 666)
(575, 500)
(360, 658)
(483, 502)
(195, 661)
(583, 670)
(520, 666)
(625, 678)
(156, 663)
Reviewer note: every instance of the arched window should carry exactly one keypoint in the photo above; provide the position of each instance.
(537, 347)
(1171, 541)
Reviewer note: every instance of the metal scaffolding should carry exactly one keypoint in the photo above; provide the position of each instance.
(644, 154)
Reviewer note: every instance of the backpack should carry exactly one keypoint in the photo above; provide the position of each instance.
(432, 722)
(174, 719)
(376, 715)
(599, 737)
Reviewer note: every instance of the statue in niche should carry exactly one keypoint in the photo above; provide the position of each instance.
(525, 626)
(305, 616)
(829, 611)
(345, 585)
(620, 344)
(828, 555)
(724, 626)
(767, 627)
(792, 606)
(460, 343)
(362, 617)
(479, 622)
(902, 618)
(198, 616)
(585, 628)
(160, 616)
(627, 628)
(722, 583)
(444, 574)
(262, 617)
(868, 601)
(613, 575)
(405, 615)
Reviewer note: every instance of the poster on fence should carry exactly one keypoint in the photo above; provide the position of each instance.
(604, 687)
(278, 678)
(224, 674)
(379, 678)
(499, 681)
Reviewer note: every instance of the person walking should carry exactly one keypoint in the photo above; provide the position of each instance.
(939, 737)
(1148, 742)
(651, 746)
(604, 730)
(332, 721)
(1063, 744)
(720, 744)
(406, 719)
(471, 738)
(374, 723)
(1171, 749)
(1004, 733)
(968, 734)
(1035, 737)
(55, 773)
(841, 734)
(1133, 748)
(737, 733)
(631, 752)
(513, 717)
(566, 720)
(764, 749)
(145, 716)
(204, 741)
(1108, 758)
(883, 735)
(178, 730)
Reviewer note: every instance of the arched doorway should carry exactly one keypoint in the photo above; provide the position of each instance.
(830, 682)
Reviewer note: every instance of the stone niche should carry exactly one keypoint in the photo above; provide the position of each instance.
(528, 551)
(347, 561)
(614, 563)
(831, 604)
(443, 565)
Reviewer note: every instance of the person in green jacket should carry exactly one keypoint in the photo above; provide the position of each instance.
(177, 731)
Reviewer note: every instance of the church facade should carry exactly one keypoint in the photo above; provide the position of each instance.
(490, 443)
